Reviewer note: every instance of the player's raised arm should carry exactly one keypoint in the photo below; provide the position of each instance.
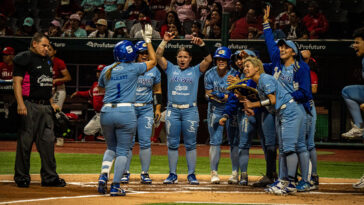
(162, 61)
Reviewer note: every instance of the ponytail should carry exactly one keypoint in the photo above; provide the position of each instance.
(108, 72)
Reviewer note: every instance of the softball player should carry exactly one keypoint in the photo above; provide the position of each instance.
(148, 85)
(246, 125)
(292, 102)
(266, 86)
(216, 93)
(118, 119)
(182, 113)
(354, 98)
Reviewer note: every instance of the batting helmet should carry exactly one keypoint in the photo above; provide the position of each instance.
(100, 67)
(124, 51)
(141, 46)
(223, 52)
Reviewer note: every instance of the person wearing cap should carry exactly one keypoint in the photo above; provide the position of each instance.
(135, 31)
(101, 31)
(27, 29)
(293, 103)
(74, 30)
(35, 108)
(216, 93)
(120, 30)
(55, 29)
(6, 67)
(96, 97)
(4, 29)
(113, 8)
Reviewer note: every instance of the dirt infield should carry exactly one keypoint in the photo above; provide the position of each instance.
(82, 189)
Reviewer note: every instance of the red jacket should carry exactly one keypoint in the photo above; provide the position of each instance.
(317, 23)
(241, 29)
(95, 95)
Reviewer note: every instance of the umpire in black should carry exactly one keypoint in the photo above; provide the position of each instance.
(35, 108)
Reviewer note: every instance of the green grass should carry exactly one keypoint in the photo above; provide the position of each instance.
(91, 163)
(260, 151)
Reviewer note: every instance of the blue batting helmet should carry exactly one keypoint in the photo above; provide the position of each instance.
(124, 51)
(141, 46)
(223, 52)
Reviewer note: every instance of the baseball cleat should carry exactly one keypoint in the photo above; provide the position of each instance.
(192, 179)
(303, 186)
(102, 187)
(115, 190)
(243, 179)
(58, 182)
(125, 178)
(290, 189)
(314, 182)
(354, 133)
(359, 184)
(171, 179)
(278, 187)
(144, 178)
(214, 177)
(234, 178)
(263, 182)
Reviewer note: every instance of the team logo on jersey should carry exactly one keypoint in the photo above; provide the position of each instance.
(192, 127)
(149, 124)
(44, 80)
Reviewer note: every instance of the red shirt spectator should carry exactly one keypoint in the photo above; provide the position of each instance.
(241, 27)
(58, 66)
(158, 8)
(95, 95)
(315, 22)
(6, 67)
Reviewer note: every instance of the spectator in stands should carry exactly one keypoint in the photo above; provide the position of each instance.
(227, 5)
(54, 29)
(6, 67)
(277, 32)
(90, 5)
(215, 18)
(75, 30)
(113, 8)
(60, 76)
(240, 28)
(159, 9)
(172, 28)
(171, 17)
(66, 8)
(186, 10)
(252, 34)
(120, 30)
(98, 13)
(216, 32)
(101, 31)
(315, 22)
(4, 29)
(96, 97)
(28, 28)
(295, 29)
(282, 20)
(132, 12)
(203, 9)
(137, 28)
(195, 31)
(238, 12)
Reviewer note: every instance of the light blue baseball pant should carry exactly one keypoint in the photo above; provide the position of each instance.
(354, 96)
(311, 129)
(183, 122)
(119, 125)
(232, 129)
(268, 138)
(145, 121)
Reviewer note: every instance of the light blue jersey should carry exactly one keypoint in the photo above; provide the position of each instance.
(267, 84)
(284, 86)
(182, 84)
(144, 91)
(121, 88)
(214, 82)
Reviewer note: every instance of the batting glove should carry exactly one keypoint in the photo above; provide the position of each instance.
(147, 33)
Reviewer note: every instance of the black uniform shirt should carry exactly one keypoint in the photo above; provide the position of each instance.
(40, 73)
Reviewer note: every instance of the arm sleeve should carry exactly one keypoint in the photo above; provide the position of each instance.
(157, 76)
(208, 83)
(21, 62)
(271, 44)
(268, 68)
(142, 68)
(304, 92)
(86, 93)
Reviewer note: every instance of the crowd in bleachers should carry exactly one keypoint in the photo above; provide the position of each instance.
(293, 19)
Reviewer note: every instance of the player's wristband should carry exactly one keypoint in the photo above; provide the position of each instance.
(157, 98)
(265, 102)
(163, 44)
(205, 50)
